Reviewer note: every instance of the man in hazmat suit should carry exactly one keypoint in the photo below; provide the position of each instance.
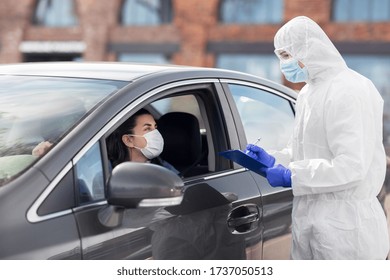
(335, 162)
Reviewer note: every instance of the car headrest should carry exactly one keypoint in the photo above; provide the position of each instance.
(182, 139)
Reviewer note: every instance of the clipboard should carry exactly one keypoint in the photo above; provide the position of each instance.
(246, 161)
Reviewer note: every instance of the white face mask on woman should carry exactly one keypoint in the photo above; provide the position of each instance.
(154, 144)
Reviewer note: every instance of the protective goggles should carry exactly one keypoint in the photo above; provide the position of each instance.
(282, 54)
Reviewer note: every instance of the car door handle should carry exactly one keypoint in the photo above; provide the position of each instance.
(243, 218)
(236, 222)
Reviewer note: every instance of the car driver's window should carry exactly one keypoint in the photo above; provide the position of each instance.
(89, 176)
(184, 133)
(264, 115)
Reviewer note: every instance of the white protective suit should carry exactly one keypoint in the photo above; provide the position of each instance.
(337, 158)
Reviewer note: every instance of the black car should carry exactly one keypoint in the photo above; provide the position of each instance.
(69, 203)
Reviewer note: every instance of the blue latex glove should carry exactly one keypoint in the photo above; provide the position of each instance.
(260, 155)
(278, 176)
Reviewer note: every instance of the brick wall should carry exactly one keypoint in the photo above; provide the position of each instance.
(195, 23)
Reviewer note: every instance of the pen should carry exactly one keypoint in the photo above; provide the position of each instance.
(257, 141)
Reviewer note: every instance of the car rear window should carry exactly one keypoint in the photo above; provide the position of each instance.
(34, 110)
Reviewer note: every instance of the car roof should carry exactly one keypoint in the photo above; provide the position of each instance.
(128, 72)
(94, 70)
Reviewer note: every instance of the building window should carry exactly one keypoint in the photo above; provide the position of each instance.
(146, 12)
(55, 13)
(376, 68)
(156, 58)
(262, 65)
(34, 51)
(361, 10)
(251, 11)
(144, 53)
(42, 57)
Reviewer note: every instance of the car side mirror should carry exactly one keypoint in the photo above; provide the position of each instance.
(133, 185)
(138, 185)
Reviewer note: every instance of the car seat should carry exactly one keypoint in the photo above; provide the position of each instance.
(182, 143)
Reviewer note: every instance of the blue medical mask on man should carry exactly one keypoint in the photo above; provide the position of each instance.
(292, 71)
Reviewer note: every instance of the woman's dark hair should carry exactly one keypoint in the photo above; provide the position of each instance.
(117, 151)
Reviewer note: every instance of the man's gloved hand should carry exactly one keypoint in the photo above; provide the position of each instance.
(260, 155)
(278, 176)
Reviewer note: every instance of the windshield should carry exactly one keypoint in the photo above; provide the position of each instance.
(36, 112)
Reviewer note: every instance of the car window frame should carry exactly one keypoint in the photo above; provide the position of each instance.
(140, 102)
(204, 90)
(226, 116)
(237, 118)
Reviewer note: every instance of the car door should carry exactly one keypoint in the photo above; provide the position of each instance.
(266, 116)
(220, 215)
(98, 239)
(47, 229)
(221, 212)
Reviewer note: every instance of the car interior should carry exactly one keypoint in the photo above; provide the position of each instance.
(183, 146)
(182, 122)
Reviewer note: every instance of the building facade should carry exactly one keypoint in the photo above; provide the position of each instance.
(207, 33)
(233, 34)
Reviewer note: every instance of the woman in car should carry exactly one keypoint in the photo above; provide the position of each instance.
(137, 140)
